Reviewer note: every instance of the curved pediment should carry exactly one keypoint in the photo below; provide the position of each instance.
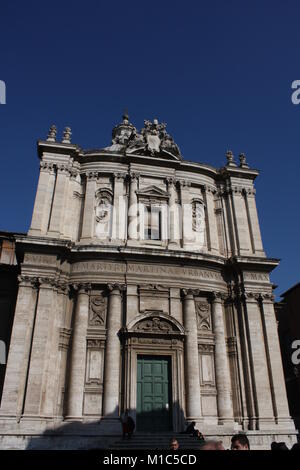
(155, 322)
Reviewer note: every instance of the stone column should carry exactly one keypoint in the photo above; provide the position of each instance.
(225, 412)
(112, 354)
(59, 201)
(78, 353)
(43, 200)
(132, 207)
(280, 403)
(89, 207)
(20, 345)
(258, 363)
(174, 232)
(192, 371)
(119, 210)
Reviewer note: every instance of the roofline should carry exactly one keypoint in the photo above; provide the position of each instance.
(290, 289)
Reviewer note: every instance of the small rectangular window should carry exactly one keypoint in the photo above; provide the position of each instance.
(152, 223)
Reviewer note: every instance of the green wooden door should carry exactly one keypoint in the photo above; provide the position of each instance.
(154, 410)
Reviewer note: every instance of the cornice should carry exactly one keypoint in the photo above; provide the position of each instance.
(250, 262)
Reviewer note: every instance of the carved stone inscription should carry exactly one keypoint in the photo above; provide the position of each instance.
(170, 271)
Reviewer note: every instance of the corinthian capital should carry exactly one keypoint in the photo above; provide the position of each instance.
(82, 287)
(28, 281)
(116, 286)
(133, 176)
(120, 176)
(47, 167)
(91, 175)
(217, 296)
(184, 183)
(171, 181)
(187, 292)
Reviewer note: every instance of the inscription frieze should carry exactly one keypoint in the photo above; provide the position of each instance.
(176, 271)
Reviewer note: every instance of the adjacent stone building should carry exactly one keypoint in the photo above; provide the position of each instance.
(144, 286)
(287, 314)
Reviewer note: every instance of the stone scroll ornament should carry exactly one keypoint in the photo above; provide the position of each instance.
(97, 315)
(154, 325)
(203, 316)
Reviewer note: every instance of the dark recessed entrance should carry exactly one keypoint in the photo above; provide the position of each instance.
(154, 396)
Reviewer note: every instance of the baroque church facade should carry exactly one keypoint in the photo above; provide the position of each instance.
(143, 285)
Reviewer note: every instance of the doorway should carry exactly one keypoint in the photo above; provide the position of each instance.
(154, 394)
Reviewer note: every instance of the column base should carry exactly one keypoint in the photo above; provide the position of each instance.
(132, 242)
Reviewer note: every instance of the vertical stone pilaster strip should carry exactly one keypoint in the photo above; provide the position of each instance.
(257, 241)
(175, 304)
(20, 346)
(132, 207)
(39, 358)
(186, 213)
(280, 403)
(43, 200)
(132, 302)
(59, 201)
(89, 209)
(78, 353)
(225, 412)
(231, 223)
(258, 363)
(241, 218)
(192, 371)
(65, 306)
(212, 229)
(118, 224)
(112, 354)
(174, 236)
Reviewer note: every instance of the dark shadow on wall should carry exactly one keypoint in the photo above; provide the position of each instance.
(98, 434)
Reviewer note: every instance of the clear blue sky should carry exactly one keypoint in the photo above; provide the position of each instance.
(218, 72)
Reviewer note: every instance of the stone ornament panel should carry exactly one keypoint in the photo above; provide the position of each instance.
(154, 325)
(97, 310)
(203, 315)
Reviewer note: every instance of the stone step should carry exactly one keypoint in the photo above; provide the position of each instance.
(154, 441)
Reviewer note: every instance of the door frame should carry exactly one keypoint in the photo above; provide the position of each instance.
(136, 342)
